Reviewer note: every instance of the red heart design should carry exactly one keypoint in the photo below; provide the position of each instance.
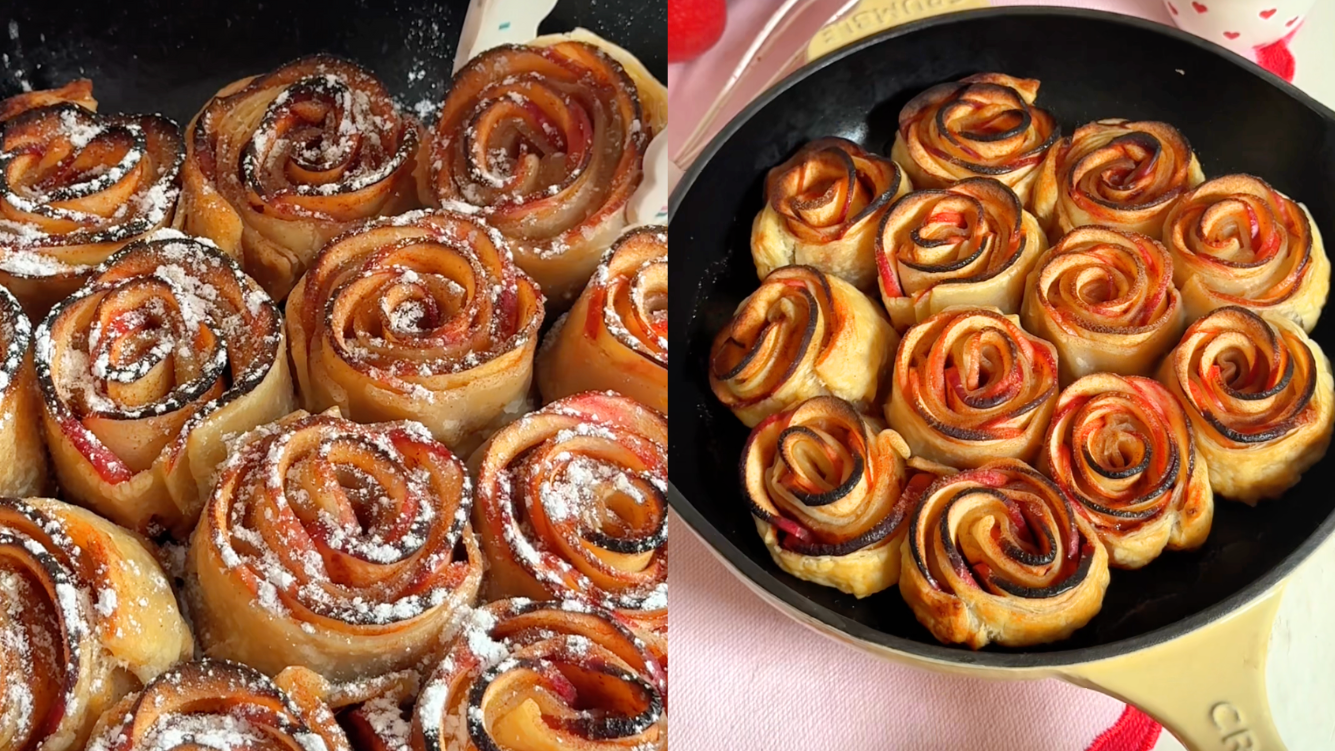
(1292, 21)
(1268, 13)
(1232, 34)
(1172, 8)
(1199, 7)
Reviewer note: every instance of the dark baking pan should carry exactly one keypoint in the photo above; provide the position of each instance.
(1185, 637)
(169, 56)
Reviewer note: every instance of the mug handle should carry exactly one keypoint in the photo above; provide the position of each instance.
(1207, 687)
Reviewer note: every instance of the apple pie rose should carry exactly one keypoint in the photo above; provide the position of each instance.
(548, 141)
(75, 187)
(822, 208)
(802, 334)
(985, 125)
(1260, 398)
(280, 163)
(1122, 448)
(968, 244)
(1237, 241)
(827, 488)
(145, 370)
(1105, 298)
(970, 385)
(998, 555)
(1115, 173)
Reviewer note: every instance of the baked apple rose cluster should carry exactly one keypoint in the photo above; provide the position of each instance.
(1081, 344)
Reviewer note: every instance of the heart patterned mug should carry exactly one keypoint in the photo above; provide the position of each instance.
(1244, 26)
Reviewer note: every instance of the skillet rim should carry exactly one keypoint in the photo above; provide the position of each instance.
(743, 565)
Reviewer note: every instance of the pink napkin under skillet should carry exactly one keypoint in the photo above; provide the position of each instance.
(747, 678)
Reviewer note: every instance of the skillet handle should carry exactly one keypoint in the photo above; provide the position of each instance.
(1207, 687)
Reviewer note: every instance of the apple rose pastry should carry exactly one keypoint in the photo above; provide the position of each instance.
(969, 244)
(1116, 173)
(24, 471)
(547, 141)
(571, 504)
(1122, 448)
(826, 486)
(423, 316)
(341, 547)
(145, 370)
(1260, 397)
(981, 126)
(998, 554)
(1105, 298)
(76, 186)
(86, 616)
(970, 385)
(615, 338)
(822, 208)
(1237, 241)
(530, 675)
(278, 164)
(802, 334)
(215, 704)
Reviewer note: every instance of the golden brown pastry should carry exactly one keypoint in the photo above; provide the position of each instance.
(78, 91)
(826, 487)
(616, 335)
(422, 316)
(1105, 298)
(1260, 397)
(571, 504)
(969, 386)
(969, 244)
(1116, 173)
(997, 554)
(1237, 241)
(278, 164)
(981, 126)
(76, 187)
(86, 616)
(215, 704)
(1122, 448)
(548, 142)
(341, 547)
(166, 351)
(23, 472)
(822, 208)
(543, 675)
(802, 334)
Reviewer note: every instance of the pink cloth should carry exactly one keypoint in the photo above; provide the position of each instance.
(749, 679)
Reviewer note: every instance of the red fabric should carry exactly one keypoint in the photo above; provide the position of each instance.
(1133, 731)
(1277, 58)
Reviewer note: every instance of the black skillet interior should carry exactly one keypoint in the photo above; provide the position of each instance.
(1238, 118)
(170, 56)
